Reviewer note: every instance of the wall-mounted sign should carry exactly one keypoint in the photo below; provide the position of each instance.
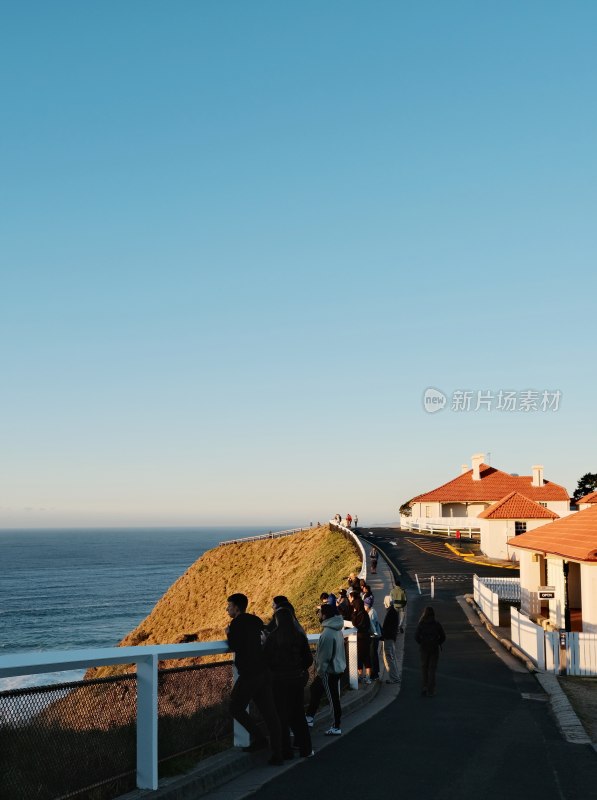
(546, 592)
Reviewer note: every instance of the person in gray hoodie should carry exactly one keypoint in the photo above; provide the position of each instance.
(330, 663)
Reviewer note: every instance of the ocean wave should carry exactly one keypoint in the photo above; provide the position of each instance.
(45, 679)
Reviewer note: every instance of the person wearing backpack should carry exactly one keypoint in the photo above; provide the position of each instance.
(429, 636)
(398, 596)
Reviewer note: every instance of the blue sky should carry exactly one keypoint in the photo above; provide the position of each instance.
(241, 239)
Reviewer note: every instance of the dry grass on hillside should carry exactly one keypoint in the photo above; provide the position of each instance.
(300, 566)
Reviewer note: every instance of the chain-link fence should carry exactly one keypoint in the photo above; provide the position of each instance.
(78, 740)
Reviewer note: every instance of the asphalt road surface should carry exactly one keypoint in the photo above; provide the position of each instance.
(488, 734)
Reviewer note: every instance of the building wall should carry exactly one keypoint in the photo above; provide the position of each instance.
(560, 507)
(496, 532)
(454, 510)
(555, 577)
(588, 581)
(426, 510)
(530, 580)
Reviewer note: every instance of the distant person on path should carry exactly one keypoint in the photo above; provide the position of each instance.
(254, 678)
(348, 520)
(374, 638)
(373, 555)
(330, 663)
(430, 636)
(356, 521)
(398, 596)
(288, 655)
(389, 632)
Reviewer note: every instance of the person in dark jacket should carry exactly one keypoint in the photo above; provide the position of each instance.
(430, 636)
(288, 655)
(343, 605)
(354, 583)
(373, 555)
(360, 620)
(254, 678)
(389, 632)
(280, 601)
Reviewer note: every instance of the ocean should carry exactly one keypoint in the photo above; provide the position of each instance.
(76, 589)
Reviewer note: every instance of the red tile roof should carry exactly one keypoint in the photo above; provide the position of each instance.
(574, 537)
(517, 506)
(494, 485)
(588, 498)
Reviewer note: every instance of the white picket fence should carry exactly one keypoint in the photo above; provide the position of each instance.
(457, 527)
(540, 646)
(489, 591)
(581, 653)
(543, 647)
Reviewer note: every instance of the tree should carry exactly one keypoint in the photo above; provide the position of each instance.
(586, 484)
(405, 509)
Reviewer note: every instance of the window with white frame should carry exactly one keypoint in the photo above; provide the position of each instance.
(520, 527)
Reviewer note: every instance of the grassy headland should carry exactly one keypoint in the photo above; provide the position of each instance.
(300, 566)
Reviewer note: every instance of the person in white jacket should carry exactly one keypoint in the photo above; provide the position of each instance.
(330, 663)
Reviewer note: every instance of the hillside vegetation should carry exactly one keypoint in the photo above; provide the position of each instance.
(300, 566)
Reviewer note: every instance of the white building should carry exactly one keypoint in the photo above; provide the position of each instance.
(496, 503)
(562, 554)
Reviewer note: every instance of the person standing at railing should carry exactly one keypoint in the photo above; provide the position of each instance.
(288, 655)
(354, 583)
(374, 637)
(330, 663)
(360, 620)
(254, 678)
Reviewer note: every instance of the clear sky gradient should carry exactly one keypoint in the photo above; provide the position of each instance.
(239, 241)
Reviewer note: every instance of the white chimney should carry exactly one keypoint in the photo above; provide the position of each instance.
(538, 475)
(464, 468)
(477, 460)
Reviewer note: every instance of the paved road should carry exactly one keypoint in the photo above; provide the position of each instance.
(478, 738)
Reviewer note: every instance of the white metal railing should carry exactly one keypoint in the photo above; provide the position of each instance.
(505, 588)
(270, 535)
(349, 532)
(146, 660)
(446, 526)
(489, 591)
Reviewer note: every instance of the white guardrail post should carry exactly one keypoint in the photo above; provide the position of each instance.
(147, 722)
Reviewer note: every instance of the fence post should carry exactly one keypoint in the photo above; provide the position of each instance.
(242, 737)
(432, 587)
(147, 722)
